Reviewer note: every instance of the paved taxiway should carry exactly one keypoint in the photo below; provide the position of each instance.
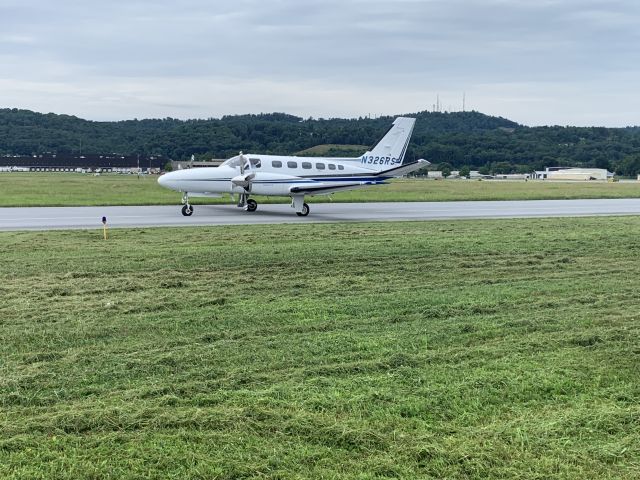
(45, 218)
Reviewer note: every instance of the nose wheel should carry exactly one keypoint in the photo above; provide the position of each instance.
(187, 208)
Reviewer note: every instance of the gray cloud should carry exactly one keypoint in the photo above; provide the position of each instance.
(538, 62)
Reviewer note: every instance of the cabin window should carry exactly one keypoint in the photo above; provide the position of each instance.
(340, 167)
(320, 166)
(306, 165)
(276, 164)
(292, 164)
(332, 166)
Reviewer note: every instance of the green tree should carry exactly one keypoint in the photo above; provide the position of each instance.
(629, 166)
(465, 171)
(502, 168)
(445, 168)
(458, 139)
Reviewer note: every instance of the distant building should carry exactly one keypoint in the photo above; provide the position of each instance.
(180, 164)
(570, 173)
(476, 175)
(512, 176)
(435, 174)
(51, 162)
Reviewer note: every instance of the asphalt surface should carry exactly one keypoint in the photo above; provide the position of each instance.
(47, 218)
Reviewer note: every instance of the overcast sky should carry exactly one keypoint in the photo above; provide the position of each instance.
(538, 62)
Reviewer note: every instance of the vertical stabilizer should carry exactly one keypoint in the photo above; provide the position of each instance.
(390, 151)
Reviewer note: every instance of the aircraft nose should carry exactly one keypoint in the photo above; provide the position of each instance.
(165, 180)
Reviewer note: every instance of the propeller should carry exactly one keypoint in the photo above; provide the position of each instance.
(242, 160)
(243, 180)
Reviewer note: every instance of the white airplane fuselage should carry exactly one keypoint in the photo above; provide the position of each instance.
(270, 180)
(296, 177)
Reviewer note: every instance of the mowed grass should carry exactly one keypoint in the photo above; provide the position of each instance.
(64, 189)
(469, 349)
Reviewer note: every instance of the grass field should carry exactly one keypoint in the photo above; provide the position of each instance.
(60, 189)
(469, 349)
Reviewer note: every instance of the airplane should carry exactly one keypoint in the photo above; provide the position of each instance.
(296, 177)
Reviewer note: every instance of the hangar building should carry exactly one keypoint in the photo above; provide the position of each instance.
(569, 173)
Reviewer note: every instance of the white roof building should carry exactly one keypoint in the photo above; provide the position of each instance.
(568, 173)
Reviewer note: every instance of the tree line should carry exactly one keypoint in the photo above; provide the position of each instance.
(458, 139)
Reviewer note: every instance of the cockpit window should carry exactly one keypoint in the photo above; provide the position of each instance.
(232, 162)
(235, 162)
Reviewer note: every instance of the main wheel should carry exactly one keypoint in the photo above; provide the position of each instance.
(251, 205)
(187, 210)
(304, 212)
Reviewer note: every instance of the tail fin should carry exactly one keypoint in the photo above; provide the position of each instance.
(389, 152)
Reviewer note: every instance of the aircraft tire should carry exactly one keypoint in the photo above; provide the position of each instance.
(304, 212)
(187, 210)
(252, 205)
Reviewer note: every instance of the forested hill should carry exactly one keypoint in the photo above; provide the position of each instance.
(458, 139)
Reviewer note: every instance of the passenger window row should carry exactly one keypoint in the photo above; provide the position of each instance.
(306, 165)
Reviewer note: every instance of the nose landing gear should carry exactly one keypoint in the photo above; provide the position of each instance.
(187, 208)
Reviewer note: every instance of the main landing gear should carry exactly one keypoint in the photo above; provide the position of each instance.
(304, 212)
(301, 208)
(252, 205)
(249, 204)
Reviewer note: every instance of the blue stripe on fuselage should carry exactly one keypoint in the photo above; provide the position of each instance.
(300, 180)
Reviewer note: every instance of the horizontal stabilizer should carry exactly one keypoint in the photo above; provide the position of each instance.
(404, 169)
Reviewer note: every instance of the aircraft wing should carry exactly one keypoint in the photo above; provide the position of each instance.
(324, 188)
